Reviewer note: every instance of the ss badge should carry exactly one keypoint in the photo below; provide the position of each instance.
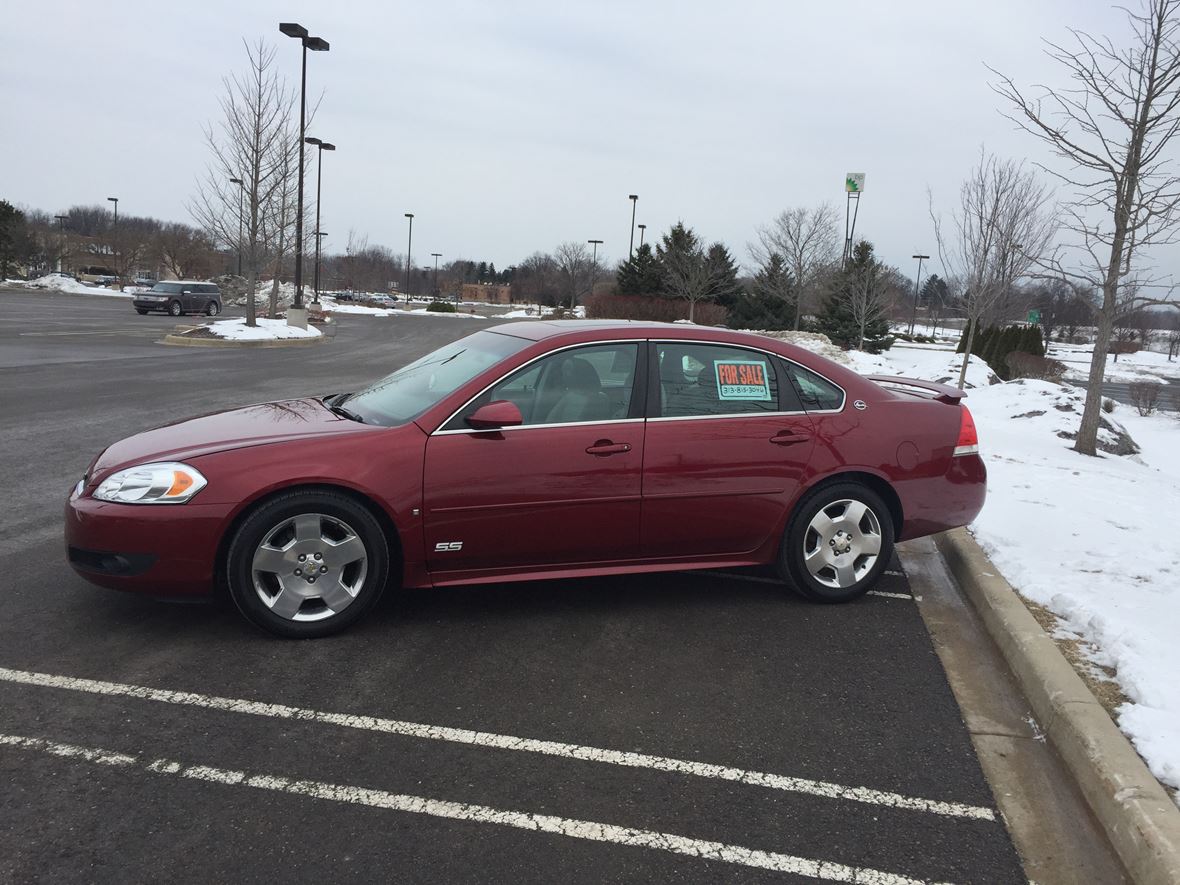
(448, 546)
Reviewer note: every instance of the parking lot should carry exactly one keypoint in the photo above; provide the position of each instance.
(682, 727)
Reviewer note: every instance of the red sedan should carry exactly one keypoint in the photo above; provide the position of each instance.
(534, 450)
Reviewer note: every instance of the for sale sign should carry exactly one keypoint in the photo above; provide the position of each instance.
(742, 380)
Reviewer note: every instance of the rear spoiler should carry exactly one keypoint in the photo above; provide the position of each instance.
(944, 393)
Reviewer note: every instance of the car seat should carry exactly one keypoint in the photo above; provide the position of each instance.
(583, 399)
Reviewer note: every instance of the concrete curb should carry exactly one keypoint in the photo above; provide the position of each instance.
(1140, 819)
(185, 341)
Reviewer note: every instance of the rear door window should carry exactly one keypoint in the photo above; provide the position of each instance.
(699, 380)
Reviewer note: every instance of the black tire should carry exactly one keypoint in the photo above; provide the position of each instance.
(800, 538)
(261, 524)
(212, 309)
(142, 311)
(174, 308)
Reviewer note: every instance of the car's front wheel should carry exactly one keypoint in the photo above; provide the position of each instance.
(174, 308)
(307, 564)
(837, 543)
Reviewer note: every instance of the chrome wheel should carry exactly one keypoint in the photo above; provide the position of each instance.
(213, 309)
(309, 567)
(842, 543)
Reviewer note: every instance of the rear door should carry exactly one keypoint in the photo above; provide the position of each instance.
(726, 450)
(562, 489)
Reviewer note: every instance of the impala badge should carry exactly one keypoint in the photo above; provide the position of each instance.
(859, 405)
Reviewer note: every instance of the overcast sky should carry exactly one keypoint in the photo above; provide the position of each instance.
(509, 127)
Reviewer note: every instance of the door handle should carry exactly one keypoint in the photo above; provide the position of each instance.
(606, 447)
(790, 437)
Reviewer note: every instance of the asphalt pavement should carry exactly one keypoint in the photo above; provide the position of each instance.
(692, 727)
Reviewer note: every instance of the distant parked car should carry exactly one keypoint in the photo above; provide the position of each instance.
(144, 281)
(180, 297)
(383, 299)
(95, 274)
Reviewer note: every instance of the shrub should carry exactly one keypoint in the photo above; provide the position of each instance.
(1108, 405)
(1028, 365)
(440, 307)
(1145, 396)
(652, 309)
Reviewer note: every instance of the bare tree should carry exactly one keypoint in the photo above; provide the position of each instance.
(247, 144)
(1002, 227)
(573, 261)
(691, 276)
(806, 238)
(1113, 125)
(185, 252)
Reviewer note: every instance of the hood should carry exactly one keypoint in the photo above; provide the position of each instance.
(255, 425)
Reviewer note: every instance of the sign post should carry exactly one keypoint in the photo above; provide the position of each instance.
(854, 185)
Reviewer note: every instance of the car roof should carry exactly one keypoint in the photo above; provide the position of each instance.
(541, 330)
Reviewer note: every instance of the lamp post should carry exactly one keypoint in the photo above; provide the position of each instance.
(115, 236)
(241, 191)
(319, 178)
(593, 265)
(634, 198)
(61, 227)
(642, 231)
(316, 44)
(917, 282)
(409, 247)
(437, 256)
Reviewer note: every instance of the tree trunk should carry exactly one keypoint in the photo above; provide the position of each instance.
(971, 324)
(1087, 441)
(691, 307)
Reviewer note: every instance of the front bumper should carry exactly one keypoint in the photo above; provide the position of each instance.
(142, 304)
(158, 550)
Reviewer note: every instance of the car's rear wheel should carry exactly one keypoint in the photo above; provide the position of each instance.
(307, 564)
(838, 542)
(213, 308)
(174, 308)
(142, 311)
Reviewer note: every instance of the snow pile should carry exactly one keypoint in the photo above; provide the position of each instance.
(69, 284)
(266, 330)
(1091, 539)
(927, 362)
(331, 306)
(813, 341)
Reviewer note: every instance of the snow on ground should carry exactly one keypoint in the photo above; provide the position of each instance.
(1092, 539)
(1146, 365)
(928, 362)
(72, 286)
(266, 330)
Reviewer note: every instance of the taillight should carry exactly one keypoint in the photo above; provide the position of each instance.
(968, 443)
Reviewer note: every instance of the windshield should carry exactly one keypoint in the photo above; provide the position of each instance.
(412, 390)
(170, 288)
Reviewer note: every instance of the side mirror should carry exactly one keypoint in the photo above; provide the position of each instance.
(497, 414)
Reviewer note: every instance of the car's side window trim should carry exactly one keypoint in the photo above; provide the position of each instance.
(638, 391)
(653, 385)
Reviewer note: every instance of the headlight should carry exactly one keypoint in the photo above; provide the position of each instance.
(165, 483)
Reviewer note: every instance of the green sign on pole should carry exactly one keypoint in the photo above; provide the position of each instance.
(1034, 316)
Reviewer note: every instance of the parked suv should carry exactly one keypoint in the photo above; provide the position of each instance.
(179, 297)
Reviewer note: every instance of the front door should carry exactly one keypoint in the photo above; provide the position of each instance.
(726, 450)
(559, 491)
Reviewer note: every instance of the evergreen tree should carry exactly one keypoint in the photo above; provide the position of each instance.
(678, 242)
(770, 302)
(641, 274)
(492, 277)
(723, 274)
(481, 272)
(15, 244)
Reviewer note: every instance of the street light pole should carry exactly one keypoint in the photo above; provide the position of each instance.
(241, 191)
(917, 282)
(634, 198)
(409, 248)
(316, 44)
(593, 265)
(115, 200)
(437, 256)
(642, 230)
(319, 178)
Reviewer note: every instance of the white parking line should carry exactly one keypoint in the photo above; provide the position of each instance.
(760, 580)
(821, 789)
(541, 823)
